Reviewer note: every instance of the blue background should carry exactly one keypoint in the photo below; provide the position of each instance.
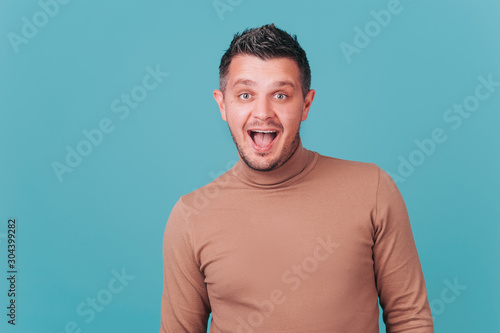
(109, 213)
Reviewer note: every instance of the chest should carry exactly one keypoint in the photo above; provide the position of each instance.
(277, 241)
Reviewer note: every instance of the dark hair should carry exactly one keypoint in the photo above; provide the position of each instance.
(266, 42)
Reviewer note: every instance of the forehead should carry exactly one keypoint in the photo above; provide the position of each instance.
(248, 67)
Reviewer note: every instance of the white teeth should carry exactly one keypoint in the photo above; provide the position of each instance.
(265, 131)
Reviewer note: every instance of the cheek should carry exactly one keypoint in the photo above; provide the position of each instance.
(237, 117)
(235, 122)
(291, 121)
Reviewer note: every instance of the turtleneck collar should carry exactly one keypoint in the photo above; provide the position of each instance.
(298, 165)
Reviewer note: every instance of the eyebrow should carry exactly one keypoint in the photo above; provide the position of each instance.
(277, 84)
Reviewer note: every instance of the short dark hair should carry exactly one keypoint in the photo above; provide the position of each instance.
(266, 42)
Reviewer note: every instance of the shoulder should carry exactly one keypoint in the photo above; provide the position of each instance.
(353, 175)
(347, 169)
(209, 195)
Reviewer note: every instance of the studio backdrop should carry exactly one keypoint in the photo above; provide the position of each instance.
(107, 117)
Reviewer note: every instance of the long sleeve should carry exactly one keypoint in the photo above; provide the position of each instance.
(185, 306)
(399, 278)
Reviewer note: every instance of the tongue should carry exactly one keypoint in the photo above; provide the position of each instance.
(262, 139)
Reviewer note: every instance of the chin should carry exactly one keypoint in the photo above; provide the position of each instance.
(264, 161)
(259, 165)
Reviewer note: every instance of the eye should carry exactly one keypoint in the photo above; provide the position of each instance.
(245, 96)
(280, 96)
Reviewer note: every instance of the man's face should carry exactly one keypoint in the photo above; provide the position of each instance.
(263, 105)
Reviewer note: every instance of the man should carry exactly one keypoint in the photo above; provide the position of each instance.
(287, 240)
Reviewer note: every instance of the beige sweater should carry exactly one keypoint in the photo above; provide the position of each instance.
(308, 247)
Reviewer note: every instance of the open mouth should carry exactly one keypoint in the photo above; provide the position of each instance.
(263, 138)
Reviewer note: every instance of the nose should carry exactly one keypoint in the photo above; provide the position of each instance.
(263, 109)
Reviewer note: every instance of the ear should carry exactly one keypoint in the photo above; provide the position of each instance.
(307, 103)
(219, 98)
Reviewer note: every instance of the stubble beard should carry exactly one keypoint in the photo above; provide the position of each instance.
(288, 151)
